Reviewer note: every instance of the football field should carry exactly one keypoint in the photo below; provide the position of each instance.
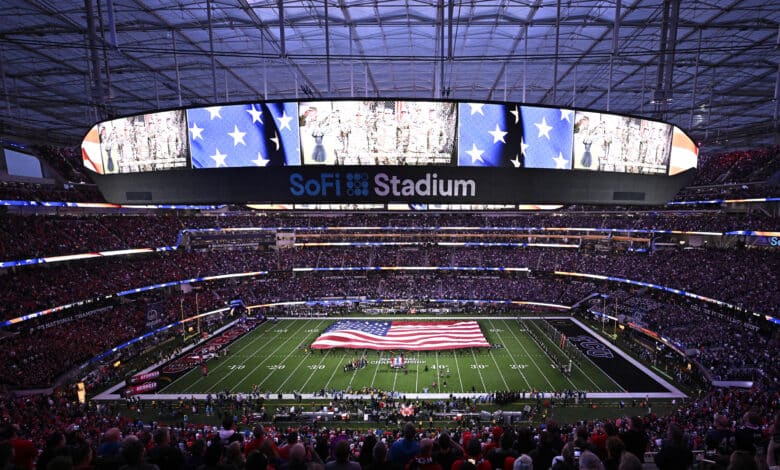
(274, 358)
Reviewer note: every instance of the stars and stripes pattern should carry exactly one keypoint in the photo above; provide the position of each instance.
(403, 335)
(548, 137)
(489, 135)
(510, 135)
(255, 134)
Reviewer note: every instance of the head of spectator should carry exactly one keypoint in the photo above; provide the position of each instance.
(111, 443)
(341, 452)
(379, 454)
(132, 451)
(629, 461)
(742, 460)
(214, 453)
(615, 448)
(161, 437)
(524, 462)
(367, 449)
(81, 453)
(256, 460)
(409, 431)
(473, 448)
(234, 456)
(590, 461)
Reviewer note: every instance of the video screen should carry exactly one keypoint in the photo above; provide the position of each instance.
(513, 136)
(685, 153)
(607, 142)
(148, 142)
(547, 137)
(244, 135)
(377, 132)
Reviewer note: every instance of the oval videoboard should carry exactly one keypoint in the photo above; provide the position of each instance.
(387, 151)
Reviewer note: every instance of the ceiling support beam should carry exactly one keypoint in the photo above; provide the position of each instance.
(176, 66)
(282, 41)
(97, 95)
(327, 47)
(557, 50)
(777, 96)
(211, 52)
(695, 82)
(6, 95)
(440, 17)
(663, 84)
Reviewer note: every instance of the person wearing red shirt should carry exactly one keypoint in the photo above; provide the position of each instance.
(473, 459)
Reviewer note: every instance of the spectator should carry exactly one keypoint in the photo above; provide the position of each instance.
(590, 461)
(163, 454)
(675, 453)
(55, 447)
(133, 454)
(405, 448)
(636, 439)
(424, 459)
(341, 459)
(473, 457)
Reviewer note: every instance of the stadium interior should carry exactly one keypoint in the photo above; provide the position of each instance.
(563, 334)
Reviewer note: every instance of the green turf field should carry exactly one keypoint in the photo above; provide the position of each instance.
(272, 359)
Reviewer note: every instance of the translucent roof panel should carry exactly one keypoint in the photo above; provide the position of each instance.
(710, 67)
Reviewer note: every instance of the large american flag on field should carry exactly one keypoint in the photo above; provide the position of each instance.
(405, 335)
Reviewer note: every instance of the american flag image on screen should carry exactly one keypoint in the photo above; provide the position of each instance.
(489, 135)
(245, 135)
(404, 335)
(548, 136)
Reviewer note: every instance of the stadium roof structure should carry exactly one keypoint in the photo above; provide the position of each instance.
(710, 67)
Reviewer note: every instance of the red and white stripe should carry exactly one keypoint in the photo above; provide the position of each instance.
(410, 336)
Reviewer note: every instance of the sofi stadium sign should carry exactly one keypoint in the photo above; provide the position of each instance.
(360, 185)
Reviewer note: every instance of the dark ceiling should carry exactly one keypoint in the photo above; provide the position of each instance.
(711, 67)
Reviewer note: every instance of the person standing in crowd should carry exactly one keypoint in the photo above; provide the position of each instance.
(405, 448)
(498, 456)
(720, 442)
(424, 459)
(473, 459)
(341, 459)
(544, 452)
(636, 439)
(133, 454)
(163, 454)
(675, 453)
(447, 451)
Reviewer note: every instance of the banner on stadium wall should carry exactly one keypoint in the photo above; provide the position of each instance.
(139, 389)
(142, 378)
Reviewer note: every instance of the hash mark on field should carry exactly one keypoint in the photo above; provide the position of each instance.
(536, 364)
(322, 358)
(512, 357)
(473, 354)
(269, 356)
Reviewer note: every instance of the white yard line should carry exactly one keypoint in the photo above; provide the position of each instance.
(552, 388)
(519, 371)
(269, 356)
